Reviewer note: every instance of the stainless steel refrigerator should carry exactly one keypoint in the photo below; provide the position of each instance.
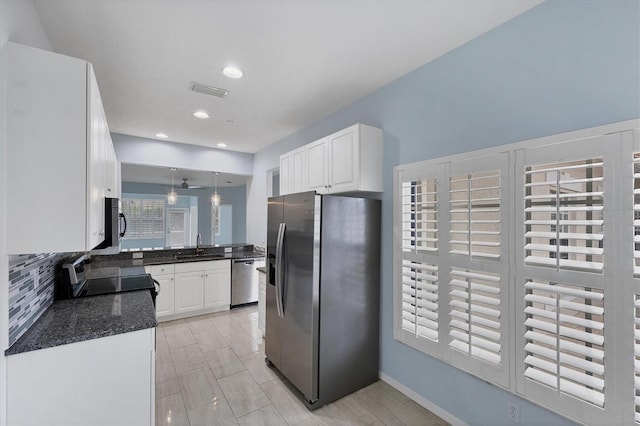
(323, 293)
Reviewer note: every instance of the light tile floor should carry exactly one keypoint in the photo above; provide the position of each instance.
(210, 370)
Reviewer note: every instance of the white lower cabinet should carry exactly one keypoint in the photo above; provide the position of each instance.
(194, 288)
(165, 300)
(189, 291)
(217, 289)
(105, 381)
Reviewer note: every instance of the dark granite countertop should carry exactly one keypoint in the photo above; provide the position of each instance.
(77, 320)
(168, 256)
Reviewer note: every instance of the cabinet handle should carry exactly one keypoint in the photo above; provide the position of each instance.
(171, 279)
(108, 189)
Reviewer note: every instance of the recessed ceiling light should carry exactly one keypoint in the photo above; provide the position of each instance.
(201, 114)
(222, 145)
(161, 135)
(232, 72)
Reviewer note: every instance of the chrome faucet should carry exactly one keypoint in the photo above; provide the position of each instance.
(199, 250)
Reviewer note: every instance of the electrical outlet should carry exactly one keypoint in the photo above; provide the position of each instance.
(513, 412)
(228, 249)
(137, 255)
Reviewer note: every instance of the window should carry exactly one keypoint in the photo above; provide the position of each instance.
(452, 282)
(215, 219)
(521, 265)
(145, 218)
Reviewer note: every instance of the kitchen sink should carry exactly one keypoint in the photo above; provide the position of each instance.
(188, 256)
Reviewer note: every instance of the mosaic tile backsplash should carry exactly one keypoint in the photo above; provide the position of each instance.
(31, 278)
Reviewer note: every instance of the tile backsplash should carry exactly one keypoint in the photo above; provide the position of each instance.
(31, 279)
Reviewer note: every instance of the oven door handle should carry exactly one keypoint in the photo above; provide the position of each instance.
(155, 282)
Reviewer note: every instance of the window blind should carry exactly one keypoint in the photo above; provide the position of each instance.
(636, 358)
(145, 218)
(419, 204)
(420, 299)
(474, 301)
(636, 214)
(536, 239)
(474, 211)
(564, 339)
(564, 204)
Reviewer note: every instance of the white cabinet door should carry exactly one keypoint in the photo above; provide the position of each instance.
(165, 298)
(109, 381)
(95, 163)
(344, 160)
(217, 288)
(46, 151)
(58, 141)
(298, 172)
(286, 173)
(189, 290)
(317, 166)
(293, 176)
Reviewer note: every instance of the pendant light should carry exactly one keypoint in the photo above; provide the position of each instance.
(172, 196)
(215, 198)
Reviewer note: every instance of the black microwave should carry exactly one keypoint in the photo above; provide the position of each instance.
(115, 224)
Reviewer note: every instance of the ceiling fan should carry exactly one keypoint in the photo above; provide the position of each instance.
(185, 185)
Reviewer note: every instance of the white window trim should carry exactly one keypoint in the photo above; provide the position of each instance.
(619, 141)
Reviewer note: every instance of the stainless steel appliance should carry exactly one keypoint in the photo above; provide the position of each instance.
(244, 281)
(115, 226)
(323, 285)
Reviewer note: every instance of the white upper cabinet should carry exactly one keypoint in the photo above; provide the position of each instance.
(318, 165)
(346, 161)
(294, 178)
(60, 159)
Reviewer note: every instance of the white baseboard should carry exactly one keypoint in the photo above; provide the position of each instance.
(422, 401)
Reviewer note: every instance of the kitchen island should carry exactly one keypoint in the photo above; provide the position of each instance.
(192, 280)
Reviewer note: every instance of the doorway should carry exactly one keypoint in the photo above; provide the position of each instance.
(178, 234)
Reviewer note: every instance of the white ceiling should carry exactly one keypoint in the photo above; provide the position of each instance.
(302, 59)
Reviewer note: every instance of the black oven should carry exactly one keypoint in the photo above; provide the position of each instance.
(80, 280)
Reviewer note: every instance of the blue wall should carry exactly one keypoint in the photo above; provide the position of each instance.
(236, 196)
(564, 65)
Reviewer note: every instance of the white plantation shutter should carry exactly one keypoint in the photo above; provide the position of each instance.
(477, 324)
(564, 215)
(564, 341)
(521, 265)
(420, 299)
(567, 279)
(145, 218)
(417, 316)
(474, 209)
(636, 358)
(450, 281)
(636, 214)
(474, 300)
(419, 216)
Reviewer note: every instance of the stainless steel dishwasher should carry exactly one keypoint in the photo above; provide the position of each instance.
(244, 281)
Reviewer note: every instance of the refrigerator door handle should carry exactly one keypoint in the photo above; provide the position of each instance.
(279, 270)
